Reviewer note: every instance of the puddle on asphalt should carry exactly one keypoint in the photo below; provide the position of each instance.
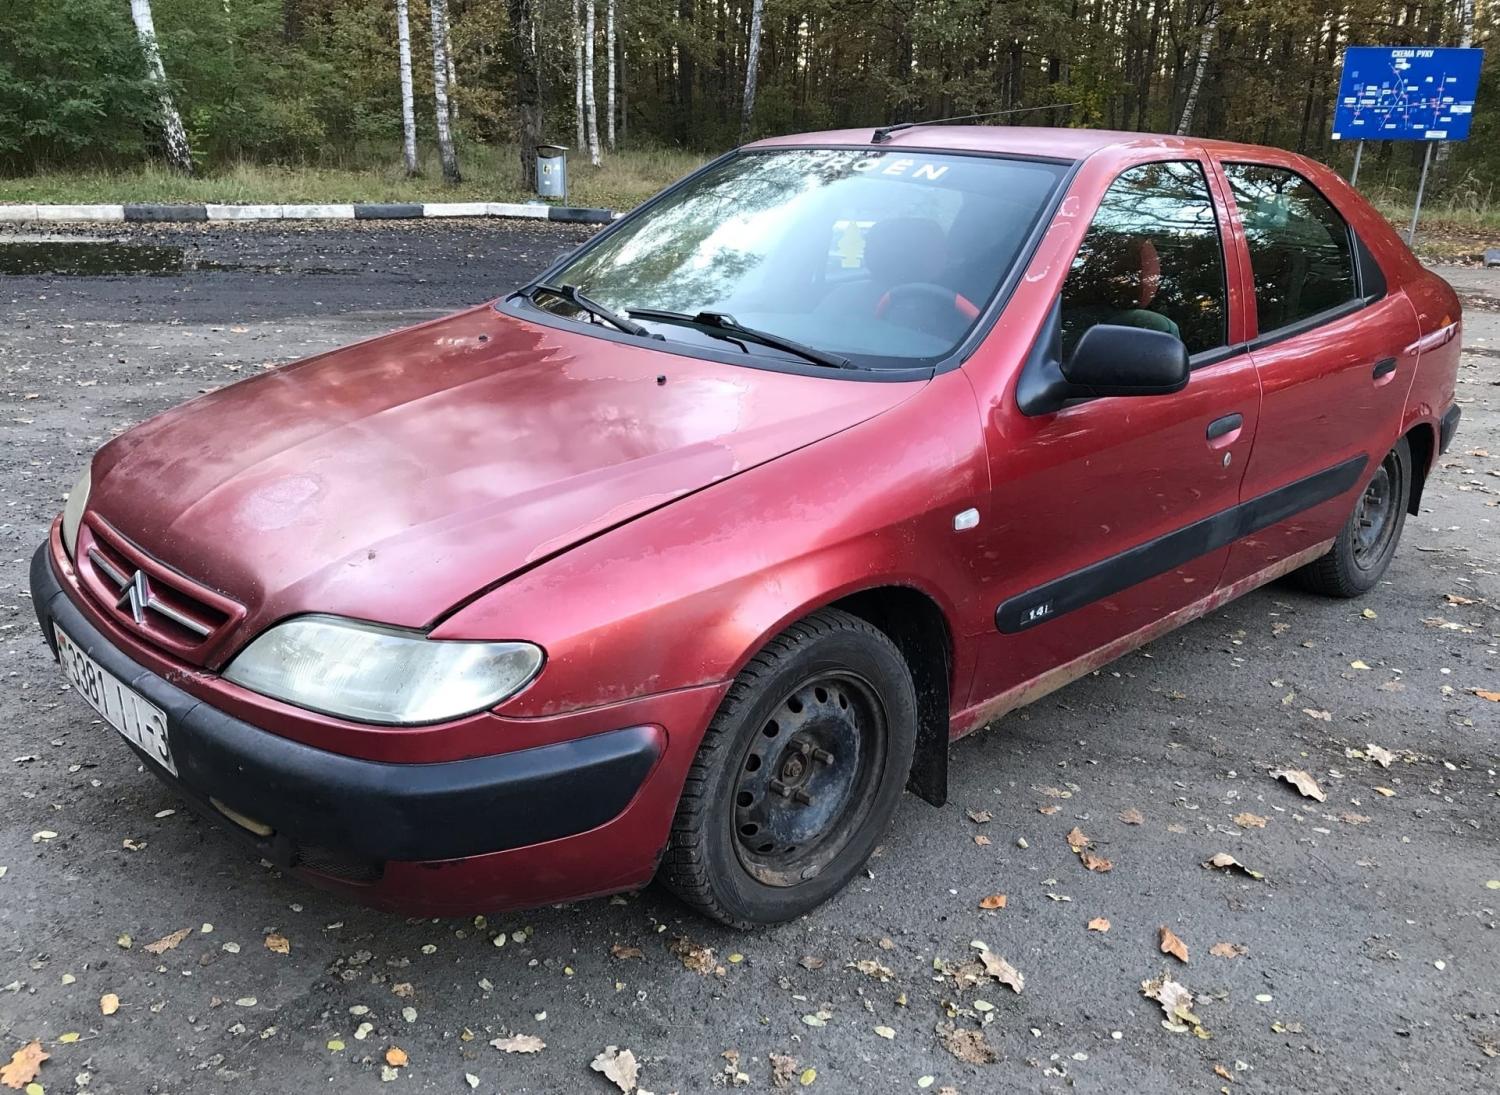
(89, 259)
(104, 258)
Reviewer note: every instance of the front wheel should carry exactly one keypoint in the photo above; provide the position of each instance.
(1367, 542)
(798, 774)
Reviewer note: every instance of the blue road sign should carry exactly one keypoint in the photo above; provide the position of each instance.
(1406, 93)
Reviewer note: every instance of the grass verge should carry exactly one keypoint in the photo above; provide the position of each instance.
(623, 181)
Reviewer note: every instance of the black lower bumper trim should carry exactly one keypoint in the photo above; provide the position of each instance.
(371, 809)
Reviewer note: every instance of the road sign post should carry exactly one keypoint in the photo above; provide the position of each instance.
(1406, 93)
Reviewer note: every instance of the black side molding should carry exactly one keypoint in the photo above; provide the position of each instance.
(1167, 552)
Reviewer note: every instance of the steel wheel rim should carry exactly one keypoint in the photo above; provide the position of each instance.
(1374, 516)
(808, 779)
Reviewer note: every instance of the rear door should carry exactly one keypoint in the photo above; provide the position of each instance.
(1095, 529)
(1335, 353)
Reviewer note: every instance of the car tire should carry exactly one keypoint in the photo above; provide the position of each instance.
(797, 776)
(1367, 542)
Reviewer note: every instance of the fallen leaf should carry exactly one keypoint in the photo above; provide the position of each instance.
(783, 1068)
(980, 817)
(1456, 599)
(1227, 950)
(1099, 924)
(982, 840)
(1172, 944)
(167, 942)
(519, 1043)
(1493, 697)
(1249, 821)
(871, 968)
(1132, 816)
(1368, 614)
(1076, 840)
(1385, 792)
(969, 1046)
(336, 1045)
(618, 1066)
(1001, 970)
(1322, 716)
(886, 1032)
(23, 1065)
(278, 944)
(1223, 1073)
(1226, 862)
(1302, 781)
(1492, 884)
(807, 1076)
(993, 901)
(1382, 757)
(694, 956)
(1357, 664)
(623, 952)
(810, 962)
(1176, 1001)
(396, 1057)
(1049, 809)
(109, 1003)
(1095, 862)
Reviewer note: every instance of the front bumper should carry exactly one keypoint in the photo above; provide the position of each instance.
(349, 820)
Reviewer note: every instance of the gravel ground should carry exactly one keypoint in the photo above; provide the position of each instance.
(1366, 958)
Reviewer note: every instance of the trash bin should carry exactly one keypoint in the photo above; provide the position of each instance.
(552, 171)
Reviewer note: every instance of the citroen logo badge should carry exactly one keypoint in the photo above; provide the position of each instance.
(137, 594)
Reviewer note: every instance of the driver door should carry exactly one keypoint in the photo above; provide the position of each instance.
(1101, 524)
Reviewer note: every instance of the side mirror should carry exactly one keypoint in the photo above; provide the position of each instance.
(1115, 360)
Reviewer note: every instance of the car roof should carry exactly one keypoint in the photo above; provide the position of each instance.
(1050, 142)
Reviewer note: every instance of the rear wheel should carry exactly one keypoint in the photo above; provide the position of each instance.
(1368, 540)
(798, 774)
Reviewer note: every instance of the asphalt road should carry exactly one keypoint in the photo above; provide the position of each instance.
(1370, 957)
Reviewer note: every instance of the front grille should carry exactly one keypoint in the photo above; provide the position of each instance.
(150, 598)
(340, 865)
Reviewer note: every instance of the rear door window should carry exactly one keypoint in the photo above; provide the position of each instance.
(1300, 248)
(1151, 258)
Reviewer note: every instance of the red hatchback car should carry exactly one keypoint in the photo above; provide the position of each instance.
(687, 558)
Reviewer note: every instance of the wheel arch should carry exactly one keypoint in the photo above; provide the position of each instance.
(916, 623)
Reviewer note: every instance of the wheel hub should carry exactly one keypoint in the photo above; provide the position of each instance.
(1373, 517)
(806, 779)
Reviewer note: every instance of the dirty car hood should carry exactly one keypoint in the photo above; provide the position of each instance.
(393, 479)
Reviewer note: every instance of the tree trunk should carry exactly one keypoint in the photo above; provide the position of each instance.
(408, 111)
(452, 71)
(449, 157)
(179, 153)
(752, 66)
(609, 53)
(590, 104)
(1465, 40)
(523, 60)
(1205, 40)
(582, 140)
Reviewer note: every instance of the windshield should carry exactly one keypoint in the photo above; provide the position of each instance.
(884, 257)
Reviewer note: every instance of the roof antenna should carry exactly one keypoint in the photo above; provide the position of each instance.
(883, 134)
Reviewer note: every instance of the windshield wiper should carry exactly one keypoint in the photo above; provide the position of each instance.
(575, 297)
(733, 328)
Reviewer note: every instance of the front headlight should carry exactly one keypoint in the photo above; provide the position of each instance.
(377, 674)
(72, 515)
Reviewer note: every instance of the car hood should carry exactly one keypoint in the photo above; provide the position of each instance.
(393, 479)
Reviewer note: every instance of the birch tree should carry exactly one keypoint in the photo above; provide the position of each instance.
(452, 70)
(752, 66)
(578, 73)
(609, 95)
(439, 11)
(179, 152)
(590, 108)
(525, 64)
(1205, 40)
(408, 111)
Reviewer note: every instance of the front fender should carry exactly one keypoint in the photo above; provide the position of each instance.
(685, 595)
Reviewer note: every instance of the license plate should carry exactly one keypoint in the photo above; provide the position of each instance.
(140, 721)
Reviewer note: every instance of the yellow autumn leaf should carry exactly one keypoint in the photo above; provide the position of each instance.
(109, 1003)
(396, 1057)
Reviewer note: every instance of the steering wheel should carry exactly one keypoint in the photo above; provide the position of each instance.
(937, 304)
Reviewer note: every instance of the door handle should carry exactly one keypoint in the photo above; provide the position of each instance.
(1228, 424)
(1384, 367)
